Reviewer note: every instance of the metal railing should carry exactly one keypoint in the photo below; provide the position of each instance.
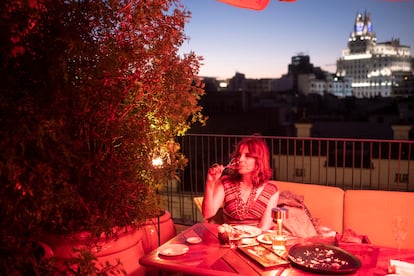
(344, 163)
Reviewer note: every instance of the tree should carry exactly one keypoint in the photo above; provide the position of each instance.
(90, 93)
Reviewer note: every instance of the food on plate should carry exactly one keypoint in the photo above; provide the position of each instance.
(247, 231)
(224, 231)
(320, 258)
(239, 231)
(265, 238)
(264, 254)
(249, 241)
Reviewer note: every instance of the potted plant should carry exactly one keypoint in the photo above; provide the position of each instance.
(92, 94)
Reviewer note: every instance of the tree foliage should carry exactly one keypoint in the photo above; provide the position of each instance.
(90, 93)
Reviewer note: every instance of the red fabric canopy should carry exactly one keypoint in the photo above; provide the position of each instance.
(247, 4)
(251, 4)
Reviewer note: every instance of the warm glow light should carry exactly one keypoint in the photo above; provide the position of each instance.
(361, 84)
(358, 56)
(368, 84)
(157, 162)
(223, 84)
(385, 72)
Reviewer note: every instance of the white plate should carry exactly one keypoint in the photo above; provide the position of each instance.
(194, 240)
(173, 250)
(265, 238)
(248, 231)
(249, 241)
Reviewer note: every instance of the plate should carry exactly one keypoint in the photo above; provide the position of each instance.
(173, 250)
(249, 241)
(323, 259)
(265, 238)
(194, 240)
(248, 231)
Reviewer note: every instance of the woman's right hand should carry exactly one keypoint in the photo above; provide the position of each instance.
(214, 191)
(214, 173)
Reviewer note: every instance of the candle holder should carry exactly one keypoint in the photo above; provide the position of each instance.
(279, 215)
(279, 239)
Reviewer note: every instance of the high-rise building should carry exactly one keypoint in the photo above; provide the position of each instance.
(376, 69)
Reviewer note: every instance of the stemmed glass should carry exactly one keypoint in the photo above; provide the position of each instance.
(400, 232)
(231, 166)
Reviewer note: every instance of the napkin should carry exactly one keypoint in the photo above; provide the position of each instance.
(401, 268)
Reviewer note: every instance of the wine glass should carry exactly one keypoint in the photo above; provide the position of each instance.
(400, 231)
(230, 168)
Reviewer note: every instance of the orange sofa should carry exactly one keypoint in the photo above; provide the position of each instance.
(368, 212)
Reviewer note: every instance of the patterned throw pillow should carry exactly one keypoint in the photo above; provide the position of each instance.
(299, 222)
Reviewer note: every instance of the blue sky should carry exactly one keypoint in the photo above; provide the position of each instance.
(260, 44)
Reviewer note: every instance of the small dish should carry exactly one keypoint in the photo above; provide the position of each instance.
(173, 250)
(194, 240)
(249, 241)
(265, 238)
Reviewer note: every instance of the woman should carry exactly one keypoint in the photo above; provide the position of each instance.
(247, 195)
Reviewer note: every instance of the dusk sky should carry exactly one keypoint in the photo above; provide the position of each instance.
(260, 44)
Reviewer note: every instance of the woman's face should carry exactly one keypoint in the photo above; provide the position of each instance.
(247, 163)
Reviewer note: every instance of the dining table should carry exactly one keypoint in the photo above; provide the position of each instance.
(200, 253)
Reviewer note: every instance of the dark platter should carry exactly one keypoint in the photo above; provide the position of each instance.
(323, 259)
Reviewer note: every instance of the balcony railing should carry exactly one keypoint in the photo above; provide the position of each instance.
(344, 163)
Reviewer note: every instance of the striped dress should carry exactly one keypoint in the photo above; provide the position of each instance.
(256, 210)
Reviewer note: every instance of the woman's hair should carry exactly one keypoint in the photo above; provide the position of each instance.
(258, 149)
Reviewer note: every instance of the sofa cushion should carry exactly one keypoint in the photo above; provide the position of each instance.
(325, 203)
(372, 213)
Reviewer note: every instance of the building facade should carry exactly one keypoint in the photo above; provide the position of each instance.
(340, 87)
(376, 69)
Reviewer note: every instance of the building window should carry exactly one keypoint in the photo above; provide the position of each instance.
(299, 172)
(349, 155)
(401, 177)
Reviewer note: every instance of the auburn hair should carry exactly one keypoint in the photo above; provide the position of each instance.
(257, 149)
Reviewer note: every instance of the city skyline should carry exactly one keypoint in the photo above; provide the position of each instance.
(260, 44)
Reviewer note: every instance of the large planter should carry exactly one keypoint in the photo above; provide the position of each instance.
(128, 247)
(157, 231)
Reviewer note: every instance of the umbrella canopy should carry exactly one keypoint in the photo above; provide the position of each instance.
(251, 4)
